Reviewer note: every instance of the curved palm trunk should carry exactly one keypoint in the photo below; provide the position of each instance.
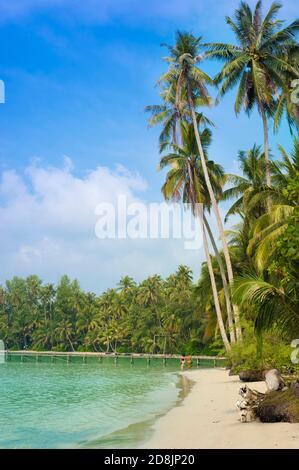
(174, 134)
(266, 145)
(224, 281)
(199, 212)
(216, 211)
(214, 290)
(71, 344)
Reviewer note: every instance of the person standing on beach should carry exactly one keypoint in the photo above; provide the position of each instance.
(189, 362)
(182, 362)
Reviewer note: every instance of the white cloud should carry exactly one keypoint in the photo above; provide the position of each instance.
(48, 221)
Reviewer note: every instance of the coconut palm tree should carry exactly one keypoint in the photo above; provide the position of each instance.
(190, 81)
(252, 164)
(170, 117)
(257, 63)
(64, 331)
(126, 284)
(149, 291)
(185, 182)
(275, 303)
(182, 159)
(270, 227)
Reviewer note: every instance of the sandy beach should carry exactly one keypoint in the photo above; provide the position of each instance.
(207, 418)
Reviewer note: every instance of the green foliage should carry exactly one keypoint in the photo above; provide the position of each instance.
(263, 247)
(288, 245)
(174, 315)
(258, 62)
(155, 316)
(274, 354)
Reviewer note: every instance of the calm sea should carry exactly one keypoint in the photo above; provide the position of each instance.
(97, 404)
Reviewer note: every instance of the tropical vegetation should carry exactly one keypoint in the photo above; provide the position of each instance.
(246, 299)
(154, 316)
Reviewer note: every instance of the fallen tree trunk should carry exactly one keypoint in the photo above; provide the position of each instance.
(271, 407)
(248, 405)
(252, 375)
(272, 377)
(280, 406)
(279, 403)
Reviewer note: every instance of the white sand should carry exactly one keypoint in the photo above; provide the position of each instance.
(208, 418)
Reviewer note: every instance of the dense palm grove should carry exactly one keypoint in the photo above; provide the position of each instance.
(154, 316)
(248, 288)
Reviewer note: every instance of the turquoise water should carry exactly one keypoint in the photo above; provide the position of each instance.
(97, 404)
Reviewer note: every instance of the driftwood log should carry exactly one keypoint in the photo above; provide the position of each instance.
(280, 406)
(279, 403)
(249, 403)
(272, 377)
(252, 375)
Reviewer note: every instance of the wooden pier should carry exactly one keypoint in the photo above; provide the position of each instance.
(68, 356)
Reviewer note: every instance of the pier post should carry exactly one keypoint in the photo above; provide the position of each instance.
(197, 361)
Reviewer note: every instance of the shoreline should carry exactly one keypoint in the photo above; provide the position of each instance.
(137, 434)
(208, 419)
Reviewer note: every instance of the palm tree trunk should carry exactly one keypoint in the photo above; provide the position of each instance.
(174, 137)
(266, 145)
(199, 212)
(69, 340)
(215, 292)
(216, 211)
(224, 282)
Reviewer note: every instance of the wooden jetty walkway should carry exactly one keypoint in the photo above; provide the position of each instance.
(27, 354)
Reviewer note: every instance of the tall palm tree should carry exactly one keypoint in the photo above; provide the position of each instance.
(185, 182)
(270, 227)
(166, 114)
(258, 62)
(171, 117)
(189, 80)
(252, 164)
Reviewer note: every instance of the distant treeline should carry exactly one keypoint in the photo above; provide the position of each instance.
(154, 316)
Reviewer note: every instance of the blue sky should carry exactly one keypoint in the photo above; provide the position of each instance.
(78, 75)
